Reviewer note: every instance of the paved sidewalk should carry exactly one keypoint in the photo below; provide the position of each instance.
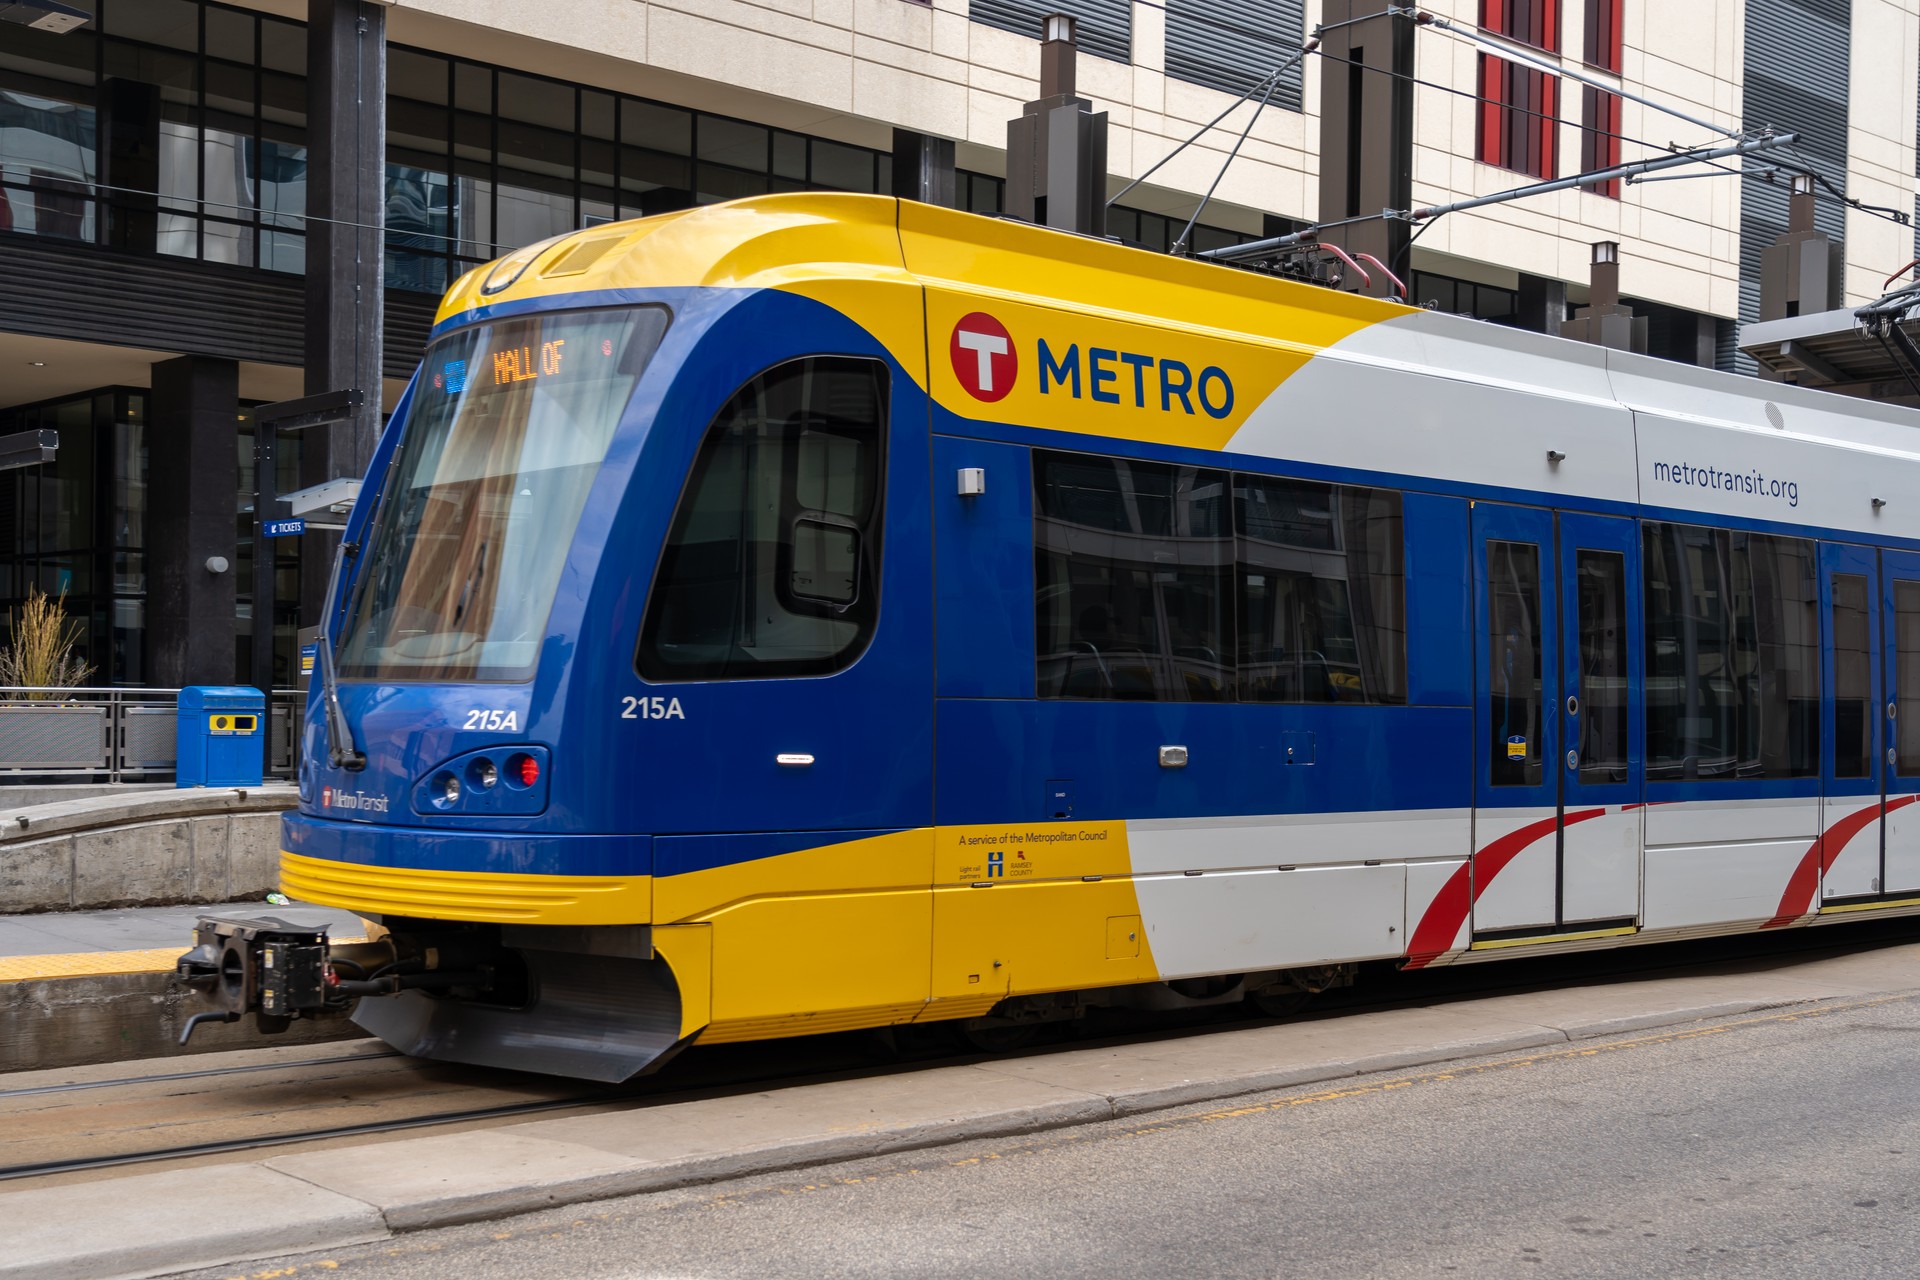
(152, 1223)
(50, 933)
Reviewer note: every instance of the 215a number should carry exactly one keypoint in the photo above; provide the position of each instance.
(651, 709)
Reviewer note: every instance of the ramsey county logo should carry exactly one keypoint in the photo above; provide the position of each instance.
(983, 357)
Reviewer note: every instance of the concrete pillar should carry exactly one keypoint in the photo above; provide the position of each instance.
(1605, 320)
(192, 421)
(346, 176)
(1543, 303)
(923, 168)
(1366, 130)
(1801, 272)
(1057, 146)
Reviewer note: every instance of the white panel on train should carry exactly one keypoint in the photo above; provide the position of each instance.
(1245, 921)
(1833, 450)
(1515, 893)
(1903, 843)
(1693, 885)
(1295, 839)
(1731, 822)
(1851, 836)
(1600, 879)
(1444, 397)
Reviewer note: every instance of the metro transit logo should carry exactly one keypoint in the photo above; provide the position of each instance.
(987, 364)
(983, 357)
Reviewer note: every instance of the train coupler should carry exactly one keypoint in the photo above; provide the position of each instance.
(265, 966)
(278, 971)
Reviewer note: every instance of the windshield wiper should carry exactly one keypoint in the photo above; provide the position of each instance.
(342, 750)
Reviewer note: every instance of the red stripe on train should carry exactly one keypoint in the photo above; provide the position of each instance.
(1797, 901)
(1437, 929)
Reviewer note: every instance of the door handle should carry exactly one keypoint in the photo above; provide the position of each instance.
(793, 759)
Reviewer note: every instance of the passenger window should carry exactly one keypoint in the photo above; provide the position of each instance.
(1514, 663)
(772, 567)
(1602, 585)
(1151, 587)
(1733, 657)
(1131, 567)
(1906, 673)
(1322, 594)
(1852, 678)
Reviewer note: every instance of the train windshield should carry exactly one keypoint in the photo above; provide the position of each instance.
(510, 423)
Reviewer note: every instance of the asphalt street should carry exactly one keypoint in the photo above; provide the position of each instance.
(1778, 1144)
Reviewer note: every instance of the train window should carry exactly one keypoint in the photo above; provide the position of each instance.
(1852, 678)
(772, 565)
(510, 422)
(1513, 648)
(1906, 673)
(1601, 581)
(1131, 566)
(1321, 592)
(1152, 587)
(1733, 660)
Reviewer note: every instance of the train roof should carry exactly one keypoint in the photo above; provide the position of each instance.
(835, 246)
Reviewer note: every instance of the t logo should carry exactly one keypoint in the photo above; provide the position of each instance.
(983, 357)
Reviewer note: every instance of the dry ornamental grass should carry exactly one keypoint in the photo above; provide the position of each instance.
(41, 655)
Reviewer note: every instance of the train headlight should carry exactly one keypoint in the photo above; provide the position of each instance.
(491, 782)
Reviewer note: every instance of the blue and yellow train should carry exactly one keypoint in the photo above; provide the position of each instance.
(820, 612)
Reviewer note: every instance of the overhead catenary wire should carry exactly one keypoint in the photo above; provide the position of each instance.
(1804, 163)
(1263, 248)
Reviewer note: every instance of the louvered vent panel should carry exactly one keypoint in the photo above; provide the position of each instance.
(1232, 45)
(1105, 26)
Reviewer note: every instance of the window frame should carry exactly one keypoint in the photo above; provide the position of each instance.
(1232, 574)
(867, 601)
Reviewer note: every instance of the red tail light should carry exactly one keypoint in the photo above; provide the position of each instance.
(529, 770)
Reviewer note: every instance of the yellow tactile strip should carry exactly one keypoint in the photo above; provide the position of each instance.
(96, 964)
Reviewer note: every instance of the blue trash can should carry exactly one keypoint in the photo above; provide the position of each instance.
(220, 736)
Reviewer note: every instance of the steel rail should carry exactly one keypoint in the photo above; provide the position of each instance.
(82, 1086)
(47, 1168)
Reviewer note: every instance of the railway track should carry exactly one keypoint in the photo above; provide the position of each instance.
(53, 1128)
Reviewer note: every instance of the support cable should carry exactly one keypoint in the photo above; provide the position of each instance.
(1261, 248)
(1265, 88)
(1273, 82)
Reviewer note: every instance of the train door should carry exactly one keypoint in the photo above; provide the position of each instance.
(1852, 773)
(1900, 632)
(1557, 776)
(1602, 719)
(1516, 779)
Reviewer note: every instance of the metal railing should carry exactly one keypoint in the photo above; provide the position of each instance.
(116, 735)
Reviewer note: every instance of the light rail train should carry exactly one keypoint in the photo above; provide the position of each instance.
(820, 612)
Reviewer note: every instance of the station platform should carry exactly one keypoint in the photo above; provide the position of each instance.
(81, 987)
(122, 940)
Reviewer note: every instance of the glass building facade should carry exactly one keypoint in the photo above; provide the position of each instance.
(178, 128)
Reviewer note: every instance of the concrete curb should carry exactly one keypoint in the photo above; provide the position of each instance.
(145, 849)
(446, 1179)
(69, 817)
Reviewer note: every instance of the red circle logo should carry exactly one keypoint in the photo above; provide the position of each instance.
(983, 357)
